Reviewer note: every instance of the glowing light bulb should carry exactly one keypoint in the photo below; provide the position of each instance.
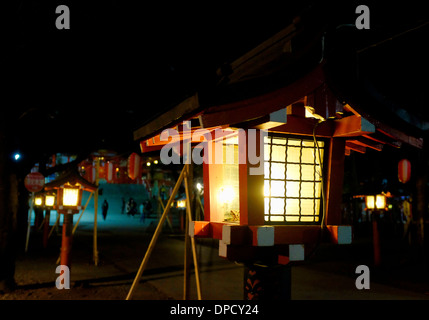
(226, 195)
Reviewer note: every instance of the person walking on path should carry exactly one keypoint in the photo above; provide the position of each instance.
(141, 211)
(104, 208)
(123, 206)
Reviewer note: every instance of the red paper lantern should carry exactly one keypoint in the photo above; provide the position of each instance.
(91, 173)
(404, 170)
(109, 171)
(134, 166)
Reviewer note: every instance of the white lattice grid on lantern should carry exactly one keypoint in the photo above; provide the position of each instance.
(292, 179)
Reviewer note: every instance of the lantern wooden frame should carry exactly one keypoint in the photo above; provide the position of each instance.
(60, 200)
(70, 180)
(242, 240)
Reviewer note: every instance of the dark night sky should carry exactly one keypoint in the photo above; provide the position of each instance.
(120, 64)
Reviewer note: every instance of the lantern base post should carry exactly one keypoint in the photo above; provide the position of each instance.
(267, 282)
(67, 237)
(376, 240)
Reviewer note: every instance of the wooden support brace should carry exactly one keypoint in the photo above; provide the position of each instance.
(367, 143)
(156, 235)
(355, 147)
(189, 219)
(352, 126)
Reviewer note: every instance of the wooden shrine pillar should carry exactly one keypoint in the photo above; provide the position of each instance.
(334, 173)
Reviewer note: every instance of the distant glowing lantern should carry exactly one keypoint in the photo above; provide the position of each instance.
(38, 201)
(380, 201)
(49, 200)
(370, 202)
(45, 200)
(70, 197)
(375, 202)
(181, 203)
(404, 170)
(70, 186)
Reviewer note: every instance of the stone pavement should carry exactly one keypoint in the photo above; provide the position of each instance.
(122, 242)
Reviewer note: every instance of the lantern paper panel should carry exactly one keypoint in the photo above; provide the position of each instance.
(38, 200)
(224, 184)
(380, 201)
(370, 202)
(292, 179)
(49, 200)
(70, 196)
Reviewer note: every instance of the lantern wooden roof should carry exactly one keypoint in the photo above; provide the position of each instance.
(71, 177)
(265, 81)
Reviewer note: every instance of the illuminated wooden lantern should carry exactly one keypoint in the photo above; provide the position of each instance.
(70, 186)
(375, 202)
(274, 201)
(45, 200)
(70, 198)
(38, 200)
(181, 204)
(50, 200)
(271, 195)
(281, 189)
